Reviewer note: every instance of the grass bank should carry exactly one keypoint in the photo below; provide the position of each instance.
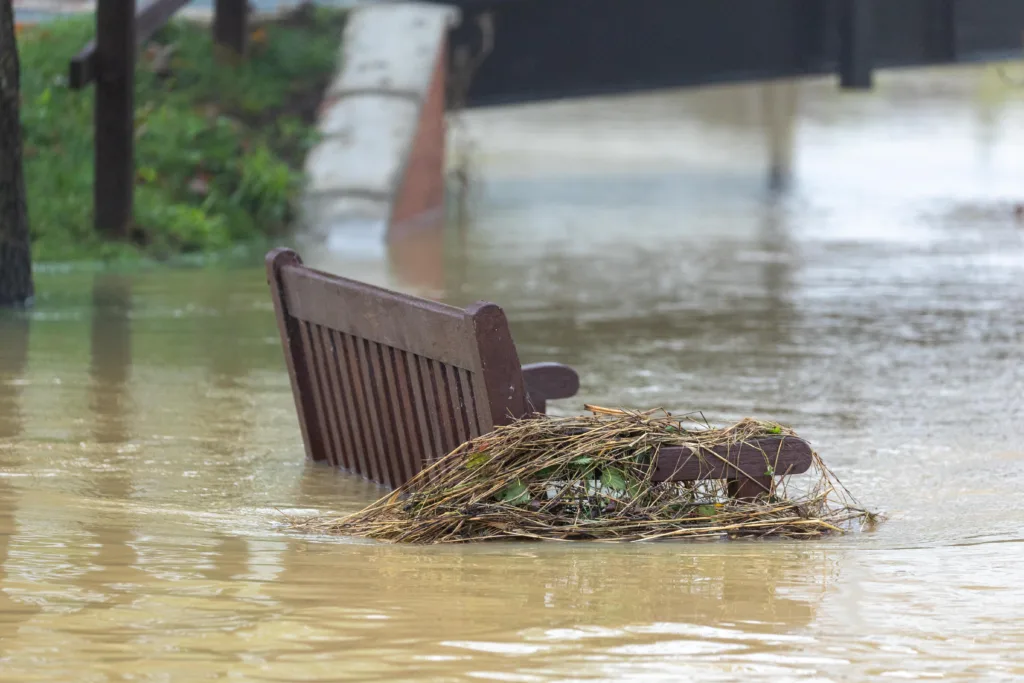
(219, 147)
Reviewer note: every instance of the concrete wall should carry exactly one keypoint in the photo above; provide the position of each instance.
(379, 167)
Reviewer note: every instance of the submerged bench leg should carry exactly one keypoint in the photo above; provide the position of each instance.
(750, 488)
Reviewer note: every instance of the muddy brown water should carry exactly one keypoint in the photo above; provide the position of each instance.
(149, 446)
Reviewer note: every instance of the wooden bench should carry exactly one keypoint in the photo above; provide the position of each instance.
(385, 383)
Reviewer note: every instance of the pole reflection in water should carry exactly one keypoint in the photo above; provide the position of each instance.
(110, 480)
(14, 335)
(779, 102)
(14, 352)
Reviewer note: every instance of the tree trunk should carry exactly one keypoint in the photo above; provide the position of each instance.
(15, 258)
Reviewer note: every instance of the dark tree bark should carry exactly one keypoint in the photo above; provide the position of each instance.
(15, 257)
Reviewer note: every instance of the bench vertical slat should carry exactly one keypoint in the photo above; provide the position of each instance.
(481, 404)
(296, 360)
(398, 394)
(468, 409)
(357, 461)
(451, 383)
(469, 400)
(750, 489)
(385, 416)
(439, 382)
(341, 411)
(418, 403)
(432, 411)
(379, 456)
(413, 410)
(359, 399)
(322, 380)
(314, 389)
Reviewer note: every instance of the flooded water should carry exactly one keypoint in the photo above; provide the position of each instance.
(149, 447)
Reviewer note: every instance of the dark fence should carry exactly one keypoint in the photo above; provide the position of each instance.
(109, 62)
(548, 49)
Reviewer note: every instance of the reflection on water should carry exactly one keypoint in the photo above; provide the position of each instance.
(149, 445)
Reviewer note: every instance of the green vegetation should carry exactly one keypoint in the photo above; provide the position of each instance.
(219, 147)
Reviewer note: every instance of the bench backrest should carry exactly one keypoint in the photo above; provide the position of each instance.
(385, 383)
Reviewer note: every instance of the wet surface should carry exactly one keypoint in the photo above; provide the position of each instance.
(149, 447)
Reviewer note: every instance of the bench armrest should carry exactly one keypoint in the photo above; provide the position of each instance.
(749, 466)
(545, 381)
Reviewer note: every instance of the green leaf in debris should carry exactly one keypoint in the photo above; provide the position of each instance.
(776, 429)
(706, 510)
(547, 472)
(613, 479)
(515, 494)
(477, 460)
(582, 460)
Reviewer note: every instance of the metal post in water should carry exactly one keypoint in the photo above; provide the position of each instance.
(778, 116)
(855, 49)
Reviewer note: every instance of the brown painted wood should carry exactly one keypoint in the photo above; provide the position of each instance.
(469, 400)
(418, 402)
(401, 417)
(498, 363)
(385, 418)
(411, 418)
(426, 328)
(360, 372)
(82, 70)
(388, 382)
(321, 351)
(148, 20)
(231, 25)
(455, 400)
(318, 418)
(360, 440)
(786, 455)
(342, 411)
(750, 488)
(114, 118)
(294, 356)
(432, 410)
(546, 381)
(446, 416)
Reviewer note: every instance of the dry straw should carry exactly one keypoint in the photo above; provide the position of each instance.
(590, 478)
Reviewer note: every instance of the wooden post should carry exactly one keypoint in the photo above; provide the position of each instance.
(855, 32)
(231, 25)
(114, 117)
